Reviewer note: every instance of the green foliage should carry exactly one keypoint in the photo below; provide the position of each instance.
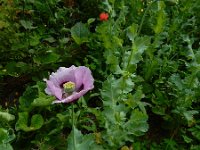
(82, 142)
(6, 116)
(22, 123)
(145, 60)
(5, 138)
(80, 33)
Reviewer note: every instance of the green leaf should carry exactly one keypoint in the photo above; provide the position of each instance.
(6, 116)
(187, 139)
(50, 39)
(43, 101)
(22, 123)
(11, 69)
(27, 24)
(35, 39)
(132, 31)
(189, 114)
(137, 124)
(196, 132)
(6, 146)
(91, 20)
(36, 121)
(80, 33)
(82, 142)
(110, 92)
(47, 58)
(6, 136)
(3, 135)
(135, 55)
(27, 98)
(160, 17)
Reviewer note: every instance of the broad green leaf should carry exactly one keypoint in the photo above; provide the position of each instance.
(80, 33)
(47, 58)
(11, 69)
(6, 136)
(6, 146)
(36, 121)
(22, 123)
(110, 92)
(3, 135)
(6, 116)
(177, 81)
(43, 101)
(137, 124)
(82, 142)
(27, 98)
(126, 84)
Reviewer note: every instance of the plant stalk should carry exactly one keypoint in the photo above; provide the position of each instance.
(73, 127)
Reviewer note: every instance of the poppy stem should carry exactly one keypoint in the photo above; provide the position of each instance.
(144, 15)
(73, 127)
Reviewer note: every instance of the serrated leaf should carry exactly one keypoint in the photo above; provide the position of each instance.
(80, 33)
(110, 92)
(126, 84)
(135, 55)
(132, 32)
(137, 124)
(82, 142)
(195, 132)
(35, 39)
(187, 139)
(160, 18)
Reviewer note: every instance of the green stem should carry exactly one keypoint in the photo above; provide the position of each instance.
(73, 128)
(143, 17)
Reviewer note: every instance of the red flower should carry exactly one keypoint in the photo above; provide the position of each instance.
(103, 16)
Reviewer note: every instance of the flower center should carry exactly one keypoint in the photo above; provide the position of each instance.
(69, 87)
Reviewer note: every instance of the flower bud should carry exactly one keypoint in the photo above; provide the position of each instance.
(103, 16)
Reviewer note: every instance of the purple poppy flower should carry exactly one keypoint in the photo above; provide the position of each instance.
(68, 84)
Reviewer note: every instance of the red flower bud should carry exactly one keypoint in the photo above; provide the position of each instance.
(103, 16)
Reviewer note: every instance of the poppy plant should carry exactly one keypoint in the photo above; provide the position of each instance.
(69, 84)
(103, 16)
